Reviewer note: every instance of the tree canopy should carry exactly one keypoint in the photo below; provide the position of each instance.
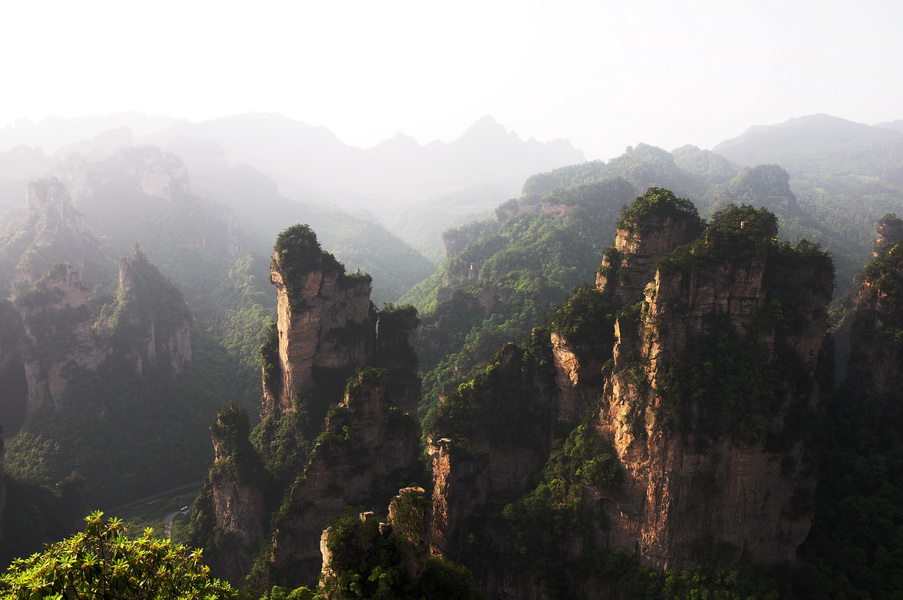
(101, 562)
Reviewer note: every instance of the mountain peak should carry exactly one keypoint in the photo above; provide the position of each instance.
(485, 127)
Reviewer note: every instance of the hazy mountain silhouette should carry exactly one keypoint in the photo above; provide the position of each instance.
(820, 143)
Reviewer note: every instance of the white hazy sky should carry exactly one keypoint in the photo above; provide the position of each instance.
(604, 74)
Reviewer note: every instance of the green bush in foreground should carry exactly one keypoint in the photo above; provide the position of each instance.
(101, 562)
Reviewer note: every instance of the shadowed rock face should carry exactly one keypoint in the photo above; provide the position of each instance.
(875, 329)
(362, 455)
(146, 329)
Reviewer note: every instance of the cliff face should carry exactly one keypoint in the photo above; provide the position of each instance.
(235, 501)
(578, 376)
(713, 458)
(147, 327)
(645, 234)
(395, 353)
(489, 438)
(66, 329)
(890, 233)
(325, 320)
(12, 370)
(651, 231)
(54, 232)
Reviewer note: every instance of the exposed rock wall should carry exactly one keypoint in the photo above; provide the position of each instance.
(322, 447)
(639, 243)
(237, 492)
(642, 238)
(54, 232)
(698, 477)
(700, 443)
(395, 353)
(890, 233)
(325, 320)
(151, 324)
(12, 370)
(578, 377)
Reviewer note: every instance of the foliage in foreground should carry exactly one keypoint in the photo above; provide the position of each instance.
(101, 562)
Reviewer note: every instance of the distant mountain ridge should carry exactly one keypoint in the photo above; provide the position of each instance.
(415, 190)
(821, 143)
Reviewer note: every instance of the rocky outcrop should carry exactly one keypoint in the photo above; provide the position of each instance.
(364, 450)
(713, 458)
(236, 491)
(49, 199)
(654, 226)
(54, 232)
(389, 558)
(323, 445)
(460, 487)
(577, 377)
(59, 336)
(324, 318)
(150, 324)
(699, 355)
(489, 438)
(147, 171)
(395, 353)
(13, 381)
(890, 233)
(64, 339)
(876, 326)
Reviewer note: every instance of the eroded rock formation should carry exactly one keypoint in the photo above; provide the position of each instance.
(364, 451)
(325, 321)
(709, 398)
(323, 444)
(700, 438)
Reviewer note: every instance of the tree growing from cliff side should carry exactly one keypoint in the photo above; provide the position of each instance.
(101, 562)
